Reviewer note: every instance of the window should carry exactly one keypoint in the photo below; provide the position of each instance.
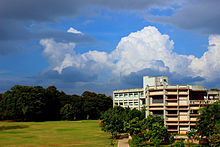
(120, 95)
(131, 103)
(135, 94)
(126, 94)
(143, 102)
(130, 94)
(155, 100)
(116, 95)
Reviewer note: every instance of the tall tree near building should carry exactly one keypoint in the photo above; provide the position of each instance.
(208, 122)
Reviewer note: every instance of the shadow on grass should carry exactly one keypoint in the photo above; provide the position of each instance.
(2, 128)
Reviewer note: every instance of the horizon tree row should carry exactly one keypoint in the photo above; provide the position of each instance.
(35, 103)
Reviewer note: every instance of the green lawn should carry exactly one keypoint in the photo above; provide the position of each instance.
(53, 133)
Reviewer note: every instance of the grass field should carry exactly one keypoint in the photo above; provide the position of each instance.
(53, 133)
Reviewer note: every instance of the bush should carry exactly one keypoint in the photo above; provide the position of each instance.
(157, 141)
(171, 137)
(179, 143)
(137, 140)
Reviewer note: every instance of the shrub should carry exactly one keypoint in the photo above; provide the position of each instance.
(179, 143)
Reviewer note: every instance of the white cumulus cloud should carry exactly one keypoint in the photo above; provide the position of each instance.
(144, 49)
(57, 52)
(208, 66)
(62, 55)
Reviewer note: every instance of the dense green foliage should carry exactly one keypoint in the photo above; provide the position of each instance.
(125, 120)
(208, 124)
(149, 129)
(191, 134)
(114, 120)
(28, 103)
(179, 143)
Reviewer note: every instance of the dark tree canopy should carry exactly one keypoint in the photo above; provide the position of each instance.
(24, 103)
(95, 104)
(35, 103)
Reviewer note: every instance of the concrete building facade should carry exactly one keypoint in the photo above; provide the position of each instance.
(177, 104)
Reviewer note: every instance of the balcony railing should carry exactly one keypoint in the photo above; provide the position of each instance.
(193, 119)
(172, 104)
(156, 93)
(202, 101)
(183, 93)
(171, 93)
(172, 119)
(157, 101)
(172, 114)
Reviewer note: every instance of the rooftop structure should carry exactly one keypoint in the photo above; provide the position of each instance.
(177, 104)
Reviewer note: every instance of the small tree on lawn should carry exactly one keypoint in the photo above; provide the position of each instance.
(113, 121)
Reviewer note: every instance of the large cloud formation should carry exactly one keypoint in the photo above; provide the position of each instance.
(143, 52)
(17, 17)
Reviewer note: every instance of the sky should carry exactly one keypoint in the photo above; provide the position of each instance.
(101, 46)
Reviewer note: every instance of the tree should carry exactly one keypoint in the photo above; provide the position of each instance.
(72, 108)
(155, 130)
(191, 134)
(113, 121)
(215, 138)
(104, 103)
(90, 105)
(208, 121)
(53, 103)
(23, 103)
(67, 112)
(149, 129)
(95, 104)
(171, 138)
(34, 103)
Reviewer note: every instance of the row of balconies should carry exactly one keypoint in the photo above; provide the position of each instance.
(202, 101)
(180, 118)
(168, 93)
(168, 87)
(169, 114)
(194, 104)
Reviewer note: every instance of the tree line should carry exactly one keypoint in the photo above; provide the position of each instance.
(35, 103)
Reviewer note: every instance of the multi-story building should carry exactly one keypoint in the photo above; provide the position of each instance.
(177, 104)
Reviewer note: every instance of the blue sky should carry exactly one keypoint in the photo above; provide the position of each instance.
(102, 45)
